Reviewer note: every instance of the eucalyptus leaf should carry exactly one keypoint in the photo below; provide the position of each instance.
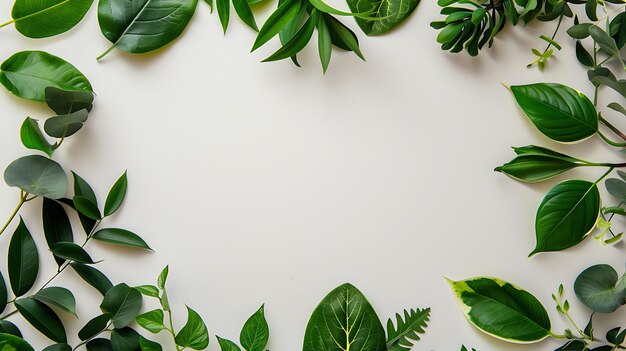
(388, 13)
(64, 102)
(601, 289)
(148, 290)
(123, 303)
(194, 334)
(59, 297)
(325, 43)
(56, 225)
(37, 175)
(605, 42)
(617, 188)
(65, 125)
(23, 260)
(32, 137)
(42, 318)
(255, 332)
(93, 277)
(46, 18)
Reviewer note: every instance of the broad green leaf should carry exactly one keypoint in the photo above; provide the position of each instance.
(120, 237)
(64, 102)
(344, 320)
(148, 345)
(559, 112)
(568, 212)
(298, 42)
(23, 260)
(502, 310)
(95, 326)
(163, 277)
(324, 41)
(27, 74)
(125, 339)
(617, 188)
(72, 252)
(32, 137)
(123, 303)
(116, 196)
(601, 289)
(242, 7)
(65, 125)
(93, 277)
(87, 207)
(151, 321)
(7, 327)
(408, 328)
(284, 14)
(194, 334)
(42, 318)
(56, 225)
(99, 344)
(58, 347)
(47, 18)
(535, 168)
(227, 345)
(255, 332)
(37, 175)
(389, 14)
(59, 297)
(143, 25)
(148, 290)
(15, 343)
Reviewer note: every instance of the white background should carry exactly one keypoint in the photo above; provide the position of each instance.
(265, 183)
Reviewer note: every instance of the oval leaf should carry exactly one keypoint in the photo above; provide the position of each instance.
(120, 237)
(194, 334)
(23, 260)
(59, 297)
(64, 102)
(72, 252)
(42, 318)
(600, 288)
(87, 207)
(56, 225)
(93, 277)
(46, 18)
(116, 195)
(94, 326)
(65, 125)
(37, 175)
(255, 332)
(123, 303)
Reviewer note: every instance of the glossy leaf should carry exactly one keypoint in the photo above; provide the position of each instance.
(123, 303)
(125, 339)
(56, 225)
(72, 252)
(65, 125)
(23, 260)
(93, 277)
(298, 42)
(568, 212)
(344, 320)
(284, 14)
(559, 112)
(502, 310)
(59, 297)
(87, 207)
(407, 329)
(64, 102)
(94, 327)
(388, 13)
(162, 279)
(7, 327)
(342, 36)
(148, 290)
(27, 74)
(120, 237)
(32, 137)
(37, 175)
(99, 344)
(143, 25)
(194, 334)
(42, 318)
(601, 289)
(148, 345)
(324, 41)
(223, 12)
(83, 189)
(151, 321)
(58, 347)
(242, 7)
(255, 332)
(227, 345)
(536, 168)
(46, 18)
(116, 195)
(14, 343)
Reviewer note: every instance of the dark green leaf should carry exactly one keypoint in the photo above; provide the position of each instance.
(37, 175)
(284, 14)
(148, 345)
(399, 337)
(58, 347)
(605, 42)
(10, 342)
(59, 297)
(388, 13)
(194, 334)
(601, 289)
(72, 252)
(82, 188)
(591, 7)
(151, 321)
(95, 326)
(64, 102)
(46, 18)
(93, 277)
(242, 7)
(23, 260)
(125, 339)
(56, 225)
(120, 237)
(536, 168)
(583, 56)
(87, 207)
(342, 36)
(123, 303)
(579, 31)
(27, 74)
(255, 332)
(116, 195)
(99, 345)
(32, 137)
(42, 318)
(223, 12)
(7, 327)
(344, 320)
(298, 42)
(65, 125)
(227, 345)
(4, 296)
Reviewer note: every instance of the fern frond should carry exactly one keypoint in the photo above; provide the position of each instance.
(402, 336)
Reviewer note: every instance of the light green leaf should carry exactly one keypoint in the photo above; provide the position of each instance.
(151, 321)
(37, 175)
(123, 303)
(148, 290)
(32, 137)
(601, 289)
(46, 18)
(14, 343)
(280, 18)
(194, 334)
(324, 40)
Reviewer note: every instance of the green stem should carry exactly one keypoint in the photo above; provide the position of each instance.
(556, 30)
(7, 23)
(171, 330)
(612, 127)
(609, 141)
(106, 52)
(8, 315)
(23, 199)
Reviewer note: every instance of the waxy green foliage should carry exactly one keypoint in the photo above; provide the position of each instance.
(37, 175)
(46, 18)
(387, 14)
(535, 164)
(601, 289)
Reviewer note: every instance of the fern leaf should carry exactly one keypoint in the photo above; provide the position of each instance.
(401, 336)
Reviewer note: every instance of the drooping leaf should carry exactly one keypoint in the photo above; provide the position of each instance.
(120, 237)
(93, 277)
(298, 42)
(342, 36)
(344, 320)
(32, 137)
(64, 102)
(601, 289)
(227, 345)
(388, 13)
(42, 318)
(143, 25)
(559, 112)
(149, 345)
(87, 207)
(47, 18)
(27, 74)
(59, 297)
(194, 334)
(151, 321)
(23, 260)
(283, 15)
(116, 196)
(223, 12)
(94, 327)
(14, 343)
(407, 328)
(64, 126)
(56, 225)
(37, 175)
(242, 7)
(72, 252)
(123, 303)
(125, 339)
(255, 332)
(568, 212)
(502, 310)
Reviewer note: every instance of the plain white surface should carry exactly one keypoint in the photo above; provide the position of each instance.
(265, 183)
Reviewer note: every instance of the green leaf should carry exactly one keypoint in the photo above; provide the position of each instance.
(605, 42)
(194, 334)
(58, 347)
(344, 320)
(23, 260)
(148, 345)
(568, 212)
(242, 7)
(59, 297)
(255, 332)
(32, 137)
(325, 43)
(15, 343)
(47, 18)
(502, 310)
(536, 168)
(125, 339)
(298, 42)
(99, 344)
(82, 189)
(72, 252)
(123, 303)
(342, 36)
(583, 56)
(93, 277)
(388, 13)
(579, 31)
(64, 102)
(56, 225)
(7, 327)
(163, 277)
(143, 25)
(120, 237)
(617, 188)
(407, 329)
(65, 125)
(601, 289)
(284, 14)
(559, 112)
(148, 290)
(27, 74)
(4, 296)
(95, 326)
(42, 318)
(87, 207)
(116, 196)
(227, 345)
(37, 175)
(151, 321)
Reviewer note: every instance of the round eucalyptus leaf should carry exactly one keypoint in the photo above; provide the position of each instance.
(568, 212)
(65, 125)
(559, 112)
(601, 289)
(46, 18)
(37, 175)
(502, 310)
(617, 188)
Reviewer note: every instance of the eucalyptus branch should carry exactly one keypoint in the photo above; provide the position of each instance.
(23, 199)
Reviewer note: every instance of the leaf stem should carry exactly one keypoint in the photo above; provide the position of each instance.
(8, 315)
(612, 127)
(106, 52)
(23, 199)
(7, 23)
(609, 141)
